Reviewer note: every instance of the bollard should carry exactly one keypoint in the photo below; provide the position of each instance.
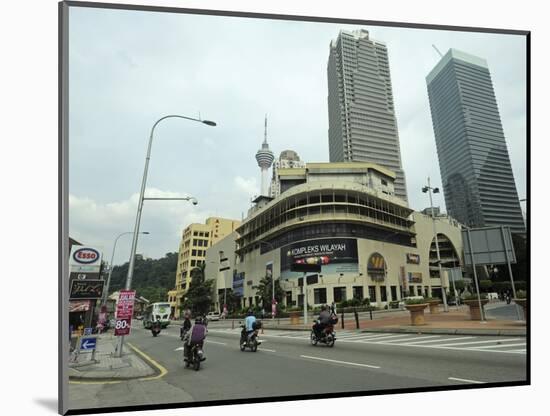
(232, 324)
(342, 318)
(356, 318)
(370, 313)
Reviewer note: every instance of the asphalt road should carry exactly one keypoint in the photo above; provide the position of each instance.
(287, 364)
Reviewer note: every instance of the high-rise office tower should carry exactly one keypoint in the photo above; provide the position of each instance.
(362, 124)
(477, 177)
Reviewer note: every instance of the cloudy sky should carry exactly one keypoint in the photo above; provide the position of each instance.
(129, 68)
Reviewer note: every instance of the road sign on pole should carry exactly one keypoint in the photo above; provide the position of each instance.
(88, 344)
(124, 312)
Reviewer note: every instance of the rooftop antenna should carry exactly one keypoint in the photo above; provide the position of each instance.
(265, 129)
(437, 50)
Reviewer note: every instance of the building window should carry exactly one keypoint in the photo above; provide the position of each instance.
(357, 292)
(201, 234)
(206, 234)
(195, 233)
(372, 293)
(339, 294)
(383, 294)
(319, 296)
(393, 292)
(289, 298)
(419, 290)
(193, 263)
(193, 252)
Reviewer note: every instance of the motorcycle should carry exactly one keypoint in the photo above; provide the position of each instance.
(327, 336)
(155, 328)
(194, 357)
(250, 340)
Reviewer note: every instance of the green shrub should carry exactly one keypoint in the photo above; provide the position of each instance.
(473, 296)
(521, 294)
(394, 304)
(366, 302)
(414, 301)
(485, 285)
(354, 302)
(520, 285)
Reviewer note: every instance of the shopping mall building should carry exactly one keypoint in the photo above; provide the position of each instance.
(346, 217)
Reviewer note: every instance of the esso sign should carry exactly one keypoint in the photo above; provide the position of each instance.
(85, 255)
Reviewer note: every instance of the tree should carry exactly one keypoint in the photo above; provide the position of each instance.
(485, 285)
(199, 294)
(233, 300)
(265, 291)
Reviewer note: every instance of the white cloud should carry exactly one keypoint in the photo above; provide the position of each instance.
(92, 222)
(248, 186)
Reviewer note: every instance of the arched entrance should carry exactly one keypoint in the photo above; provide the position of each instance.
(449, 259)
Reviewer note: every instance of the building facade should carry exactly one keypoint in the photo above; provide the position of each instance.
(196, 239)
(477, 177)
(369, 242)
(362, 123)
(288, 159)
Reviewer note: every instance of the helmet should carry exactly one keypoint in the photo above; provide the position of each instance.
(198, 320)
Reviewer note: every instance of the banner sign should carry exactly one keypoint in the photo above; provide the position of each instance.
(376, 264)
(86, 289)
(238, 283)
(415, 277)
(334, 255)
(85, 259)
(269, 270)
(491, 245)
(413, 258)
(124, 312)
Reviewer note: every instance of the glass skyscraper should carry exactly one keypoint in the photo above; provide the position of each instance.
(477, 177)
(362, 124)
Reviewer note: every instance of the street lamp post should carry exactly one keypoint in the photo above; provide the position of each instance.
(443, 294)
(140, 207)
(106, 289)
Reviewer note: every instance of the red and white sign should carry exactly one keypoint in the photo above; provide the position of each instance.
(124, 312)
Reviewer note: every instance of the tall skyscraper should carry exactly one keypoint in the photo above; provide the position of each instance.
(264, 157)
(362, 124)
(478, 182)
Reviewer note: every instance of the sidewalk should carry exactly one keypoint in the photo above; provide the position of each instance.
(450, 323)
(108, 367)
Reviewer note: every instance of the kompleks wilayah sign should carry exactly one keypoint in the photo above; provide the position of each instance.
(335, 255)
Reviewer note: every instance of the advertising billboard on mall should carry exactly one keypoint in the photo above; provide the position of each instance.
(336, 255)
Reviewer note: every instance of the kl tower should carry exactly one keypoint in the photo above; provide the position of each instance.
(265, 158)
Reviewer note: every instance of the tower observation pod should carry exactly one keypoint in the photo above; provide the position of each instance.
(265, 158)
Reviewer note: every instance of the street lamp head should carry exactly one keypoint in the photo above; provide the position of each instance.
(194, 200)
(209, 123)
(436, 190)
(425, 189)
(145, 232)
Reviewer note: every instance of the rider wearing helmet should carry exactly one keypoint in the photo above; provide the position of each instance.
(196, 335)
(186, 325)
(248, 326)
(323, 320)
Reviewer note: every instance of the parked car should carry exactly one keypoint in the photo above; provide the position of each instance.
(213, 316)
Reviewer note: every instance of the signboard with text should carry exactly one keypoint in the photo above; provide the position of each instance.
(86, 289)
(124, 312)
(85, 259)
(413, 258)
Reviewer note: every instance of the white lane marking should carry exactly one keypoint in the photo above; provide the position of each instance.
(208, 341)
(339, 362)
(501, 346)
(391, 338)
(373, 337)
(466, 381)
(179, 349)
(265, 349)
(436, 340)
(452, 344)
(417, 338)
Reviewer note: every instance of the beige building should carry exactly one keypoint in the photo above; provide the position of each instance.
(346, 217)
(196, 239)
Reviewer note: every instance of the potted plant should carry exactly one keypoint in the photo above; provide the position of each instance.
(416, 308)
(433, 303)
(521, 300)
(473, 303)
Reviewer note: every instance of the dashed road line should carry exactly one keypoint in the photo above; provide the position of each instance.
(454, 344)
(466, 380)
(339, 362)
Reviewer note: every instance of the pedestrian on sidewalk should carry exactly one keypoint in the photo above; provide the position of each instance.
(333, 308)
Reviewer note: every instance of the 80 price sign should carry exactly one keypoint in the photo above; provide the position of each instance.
(122, 327)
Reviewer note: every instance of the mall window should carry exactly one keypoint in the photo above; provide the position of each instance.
(193, 252)
(195, 233)
(372, 294)
(383, 294)
(326, 198)
(319, 296)
(289, 298)
(358, 292)
(419, 290)
(339, 294)
(193, 263)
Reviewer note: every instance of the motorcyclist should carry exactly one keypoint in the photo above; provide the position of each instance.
(323, 321)
(195, 336)
(186, 325)
(248, 326)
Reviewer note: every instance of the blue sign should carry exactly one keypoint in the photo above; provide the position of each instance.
(88, 343)
(87, 331)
